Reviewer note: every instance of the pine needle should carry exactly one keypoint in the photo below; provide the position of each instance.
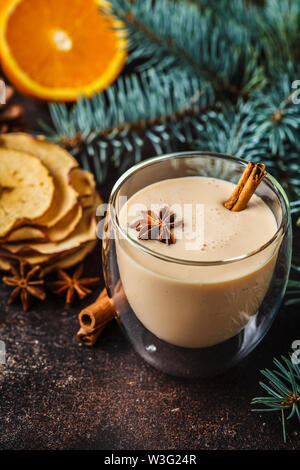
(283, 389)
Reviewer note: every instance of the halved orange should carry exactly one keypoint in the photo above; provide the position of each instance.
(3, 4)
(60, 49)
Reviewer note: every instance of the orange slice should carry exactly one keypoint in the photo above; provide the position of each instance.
(60, 49)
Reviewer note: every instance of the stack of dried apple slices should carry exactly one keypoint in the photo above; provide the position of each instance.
(47, 204)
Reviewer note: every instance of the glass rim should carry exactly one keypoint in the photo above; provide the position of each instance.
(269, 180)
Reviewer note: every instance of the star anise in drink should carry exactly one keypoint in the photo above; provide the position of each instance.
(159, 226)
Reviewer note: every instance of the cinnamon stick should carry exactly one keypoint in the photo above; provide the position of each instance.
(249, 181)
(88, 338)
(98, 314)
(95, 317)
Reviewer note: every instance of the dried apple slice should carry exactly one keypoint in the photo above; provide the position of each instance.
(84, 183)
(70, 260)
(26, 189)
(59, 162)
(84, 232)
(4, 264)
(79, 244)
(31, 259)
(66, 225)
(41, 234)
(54, 234)
(26, 232)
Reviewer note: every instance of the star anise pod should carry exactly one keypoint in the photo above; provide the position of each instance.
(11, 115)
(157, 227)
(26, 284)
(70, 286)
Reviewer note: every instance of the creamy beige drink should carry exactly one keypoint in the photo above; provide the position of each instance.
(188, 304)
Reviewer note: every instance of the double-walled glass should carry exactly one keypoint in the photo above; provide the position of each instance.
(182, 327)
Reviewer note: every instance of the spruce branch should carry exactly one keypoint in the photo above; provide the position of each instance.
(115, 126)
(279, 32)
(283, 390)
(176, 33)
(278, 116)
(293, 292)
(233, 131)
(265, 128)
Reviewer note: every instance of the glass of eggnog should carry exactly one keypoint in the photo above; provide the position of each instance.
(195, 286)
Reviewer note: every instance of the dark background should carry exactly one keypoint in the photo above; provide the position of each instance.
(56, 394)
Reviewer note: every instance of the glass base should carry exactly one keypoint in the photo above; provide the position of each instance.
(186, 362)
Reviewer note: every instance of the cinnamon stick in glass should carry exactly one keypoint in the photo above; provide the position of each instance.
(249, 181)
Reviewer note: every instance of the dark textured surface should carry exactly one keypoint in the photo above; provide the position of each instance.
(56, 394)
